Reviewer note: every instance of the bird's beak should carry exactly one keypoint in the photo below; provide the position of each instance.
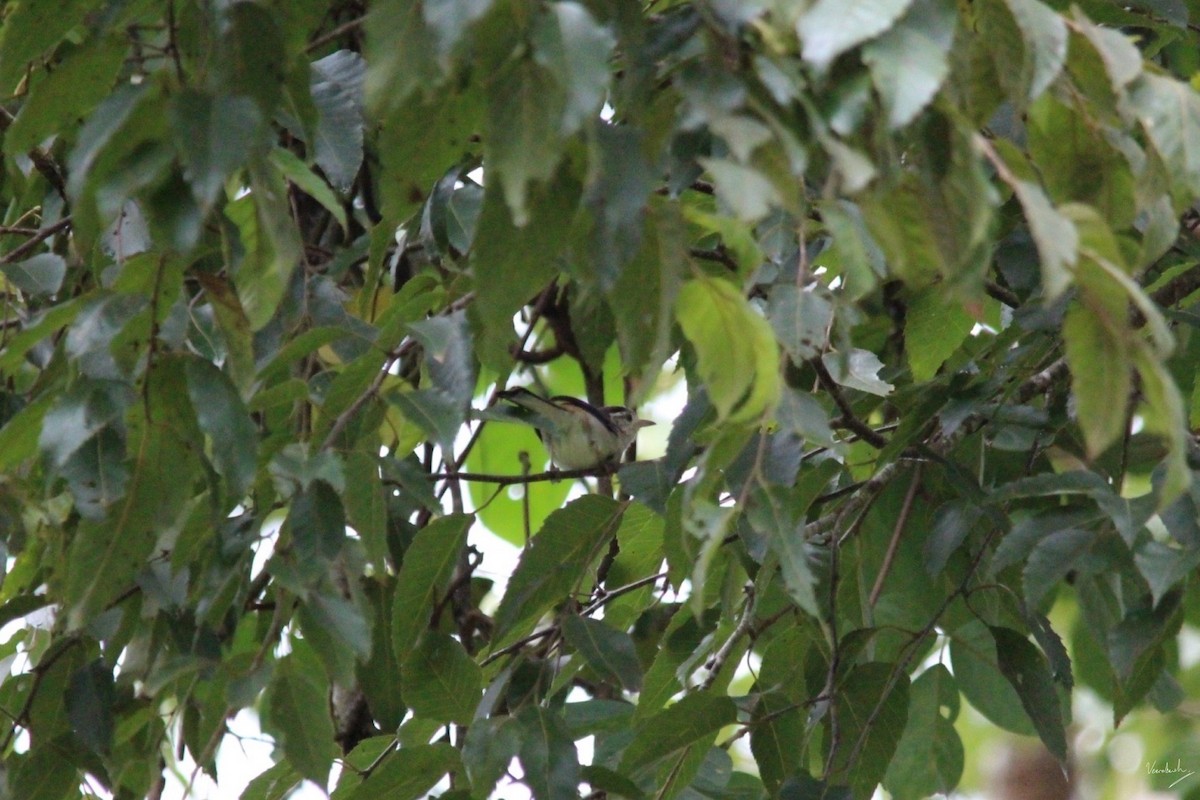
(642, 423)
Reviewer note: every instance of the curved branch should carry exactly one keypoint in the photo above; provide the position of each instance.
(510, 480)
(848, 419)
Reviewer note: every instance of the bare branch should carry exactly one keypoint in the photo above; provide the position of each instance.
(26, 247)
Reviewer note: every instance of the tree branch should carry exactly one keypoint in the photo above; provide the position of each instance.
(511, 480)
(26, 247)
(344, 418)
(848, 419)
(745, 623)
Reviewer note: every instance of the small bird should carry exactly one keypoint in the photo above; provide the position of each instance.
(577, 434)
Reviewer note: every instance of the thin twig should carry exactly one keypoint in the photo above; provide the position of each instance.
(510, 480)
(901, 521)
(998, 292)
(344, 418)
(744, 625)
(22, 250)
(613, 594)
(590, 609)
(718, 254)
(329, 36)
(848, 420)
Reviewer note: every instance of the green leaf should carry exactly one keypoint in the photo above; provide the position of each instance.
(640, 540)
(424, 575)
(96, 474)
(104, 556)
(440, 681)
(353, 382)
(548, 755)
(860, 259)
(607, 650)
(401, 54)
(274, 783)
(832, 27)
(450, 20)
(643, 297)
(214, 135)
(1055, 236)
(602, 779)
(434, 411)
(776, 738)
(572, 46)
(951, 525)
(421, 141)
(317, 522)
(512, 263)
(490, 746)
(32, 28)
(45, 773)
(38, 276)
(270, 242)
(90, 700)
(1167, 417)
(408, 773)
(1028, 41)
(38, 329)
(858, 369)
(1077, 481)
(691, 723)
(297, 714)
(523, 142)
(929, 757)
(705, 524)
(446, 342)
(81, 80)
(1101, 376)
(78, 415)
(803, 786)
(909, 62)
(95, 328)
(337, 81)
(1052, 559)
(252, 59)
(1121, 59)
(617, 195)
(341, 620)
(724, 330)
(749, 193)
(778, 513)
(224, 419)
(366, 506)
(1135, 649)
(1077, 162)
(1025, 668)
(1169, 111)
(934, 328)
(234, 327)
(301, 175)
(1164, 566)
(377, 674)
(872, 710)
(977, 673)
(556, 562)
(299, 346)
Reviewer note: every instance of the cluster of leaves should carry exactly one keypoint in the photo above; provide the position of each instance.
(918, 264)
